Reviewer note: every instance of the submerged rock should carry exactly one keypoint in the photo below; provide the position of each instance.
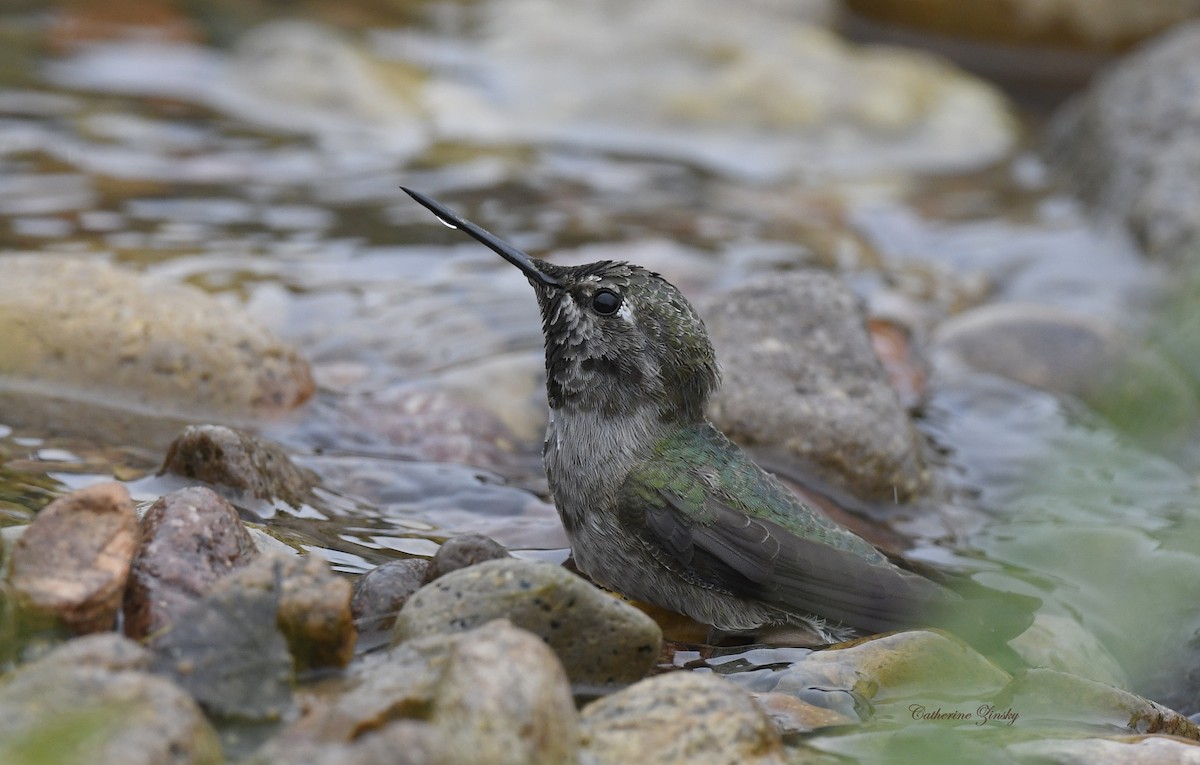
(73, 561)
(1128, 146)
(111, 334)
(1053, 695)
(91, 705)
(680, 718)
(1062, 643)
(599, 639)
(190, 539)
(495, 694)
(801, 377)
(223, 456)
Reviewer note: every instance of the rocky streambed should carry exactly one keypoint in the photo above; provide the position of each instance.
(269, 478)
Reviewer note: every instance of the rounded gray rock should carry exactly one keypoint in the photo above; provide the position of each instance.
(1128, 147)
(599, 638)
(801, 377)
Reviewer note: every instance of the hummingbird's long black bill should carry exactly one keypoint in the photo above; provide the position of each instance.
(484, 237)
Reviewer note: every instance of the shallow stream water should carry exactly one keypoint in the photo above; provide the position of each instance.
(267, 173)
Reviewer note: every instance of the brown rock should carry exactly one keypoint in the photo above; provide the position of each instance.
(462, 551)
(74, 560)
(380, 593)
(223, 456)
(314, 606)
(190, 539)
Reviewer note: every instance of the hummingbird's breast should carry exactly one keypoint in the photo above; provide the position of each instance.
(587, 455)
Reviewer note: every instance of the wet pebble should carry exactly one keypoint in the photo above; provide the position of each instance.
(109, 333)
(801, 376)
(688, 718)
(190, 539)
(92, 704)
(381, 592)
(73, 561)
(600, 639)
(495, 694)
(243, 462)
(462, 551)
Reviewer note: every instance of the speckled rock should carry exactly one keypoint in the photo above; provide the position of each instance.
(1128, 147)
(381, 592)
(462, 551)
(190, 539)
(245, 463)
(801, 377)
(599, 639)
(101, 713)
(73, 561)
(495, 694)
(112, 334)
(680, 718)
(314, 606)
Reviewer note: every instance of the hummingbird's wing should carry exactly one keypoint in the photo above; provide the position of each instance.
(716, 519)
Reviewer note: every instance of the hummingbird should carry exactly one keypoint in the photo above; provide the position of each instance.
(662, 507)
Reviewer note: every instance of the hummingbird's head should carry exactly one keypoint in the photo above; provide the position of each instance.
(617, 336)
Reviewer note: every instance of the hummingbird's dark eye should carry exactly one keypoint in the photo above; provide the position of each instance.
(606, 302)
